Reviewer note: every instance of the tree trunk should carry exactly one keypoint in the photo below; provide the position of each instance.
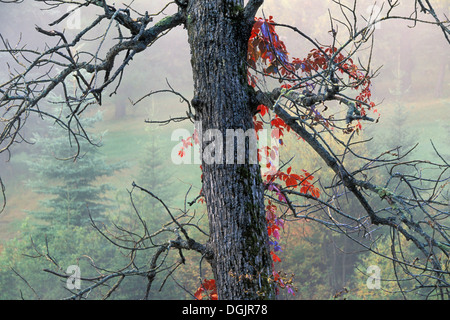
(218, 37)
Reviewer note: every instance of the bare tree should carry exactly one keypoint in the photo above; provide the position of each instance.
(411, 204)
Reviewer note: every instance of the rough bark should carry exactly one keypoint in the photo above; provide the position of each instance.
(218, 35)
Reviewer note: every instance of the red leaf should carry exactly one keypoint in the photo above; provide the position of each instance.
(304, 189)
(278, 123)
(209, 284)
(277, 133)
(213, 296)
(263, 109)
(315, 193)
(273, 154)
(291, 182)
(275, 258)
(258, 125)
(207, 289)
(199, 294)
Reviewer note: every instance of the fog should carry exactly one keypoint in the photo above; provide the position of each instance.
(412, 92)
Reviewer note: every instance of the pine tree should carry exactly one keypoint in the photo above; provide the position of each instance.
(154, 173)
(72, 189)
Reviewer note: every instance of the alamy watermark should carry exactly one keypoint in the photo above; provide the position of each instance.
(374, 12)
(73, 20)
(235, 146)
(74, 280)
(374, 281)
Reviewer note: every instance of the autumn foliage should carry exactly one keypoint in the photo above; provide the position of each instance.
(266, 49)
(207, 290)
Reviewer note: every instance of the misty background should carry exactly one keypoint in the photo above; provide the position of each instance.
(412, 95)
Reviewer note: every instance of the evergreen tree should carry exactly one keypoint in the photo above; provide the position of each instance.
(400, 135)
(73, 188)
(154, 173)
(71, 191)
